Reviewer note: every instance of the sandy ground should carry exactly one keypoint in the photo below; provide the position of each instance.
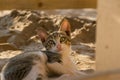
(17, 31)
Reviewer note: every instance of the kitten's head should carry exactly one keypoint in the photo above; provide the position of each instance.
(57, 41)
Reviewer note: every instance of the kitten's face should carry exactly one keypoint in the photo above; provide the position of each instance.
(57, 41)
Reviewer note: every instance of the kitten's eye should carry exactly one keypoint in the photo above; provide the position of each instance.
(62, 39)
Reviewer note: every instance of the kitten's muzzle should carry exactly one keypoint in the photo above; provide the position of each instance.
(59, 47)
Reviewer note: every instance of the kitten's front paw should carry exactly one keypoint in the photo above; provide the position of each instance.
(71, 77)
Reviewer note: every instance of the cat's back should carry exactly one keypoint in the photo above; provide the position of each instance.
(25, 66)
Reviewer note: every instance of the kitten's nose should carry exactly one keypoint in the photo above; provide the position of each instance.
(59, 48)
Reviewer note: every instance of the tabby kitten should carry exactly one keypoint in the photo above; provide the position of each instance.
(60, 42)
(41, 65)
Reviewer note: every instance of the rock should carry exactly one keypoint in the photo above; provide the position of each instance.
(86, 34)
(4, 35)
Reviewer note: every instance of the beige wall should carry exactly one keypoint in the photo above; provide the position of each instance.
(47, 4)
(108, 35)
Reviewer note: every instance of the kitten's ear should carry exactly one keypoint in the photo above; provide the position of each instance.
(65, 26)
(42, 34)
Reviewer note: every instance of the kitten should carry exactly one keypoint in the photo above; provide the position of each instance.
(44, 65)
(60, 42)
(30, 66)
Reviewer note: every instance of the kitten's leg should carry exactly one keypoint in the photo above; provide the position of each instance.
(67, 75)
(56, 67)
(59, 68)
